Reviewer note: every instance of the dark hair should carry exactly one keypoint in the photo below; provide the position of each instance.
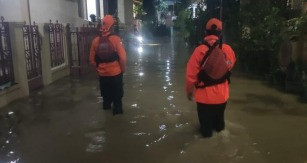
(213, 31)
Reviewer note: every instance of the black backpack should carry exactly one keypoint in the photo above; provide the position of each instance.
(105, 52)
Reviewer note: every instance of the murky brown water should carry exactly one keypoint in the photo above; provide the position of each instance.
(65, 123)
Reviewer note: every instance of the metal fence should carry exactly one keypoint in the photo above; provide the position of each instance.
(32, 50)
(6, 62)
(79, 43)
(32, 45)
(56, 34)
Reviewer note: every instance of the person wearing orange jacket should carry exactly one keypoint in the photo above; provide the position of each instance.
(109, 58)
(211, 100)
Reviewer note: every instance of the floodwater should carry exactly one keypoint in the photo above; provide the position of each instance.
(65, 123)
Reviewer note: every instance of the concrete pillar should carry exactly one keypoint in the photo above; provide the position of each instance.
(101, 8)
(21, 87)
(45, 55)
(128, 12)
(52, 74)
(121, 11)
(19, 58)
(125, 11)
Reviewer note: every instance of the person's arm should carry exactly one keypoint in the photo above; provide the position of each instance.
(230, 56)
(192, 70)
(94, 46)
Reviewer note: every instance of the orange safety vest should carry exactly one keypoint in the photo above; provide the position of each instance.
(215, 94)
(111, 68)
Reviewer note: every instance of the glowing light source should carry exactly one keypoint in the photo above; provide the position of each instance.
(140, 39)
(140, 49)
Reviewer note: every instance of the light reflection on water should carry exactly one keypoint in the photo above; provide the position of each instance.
(178, 125)
(141, 134)
(94, 148)
(139, 116)
(157, 140)
(170, 97)
(97, 141)
(15, 161)
(99, 99)
(162, 127)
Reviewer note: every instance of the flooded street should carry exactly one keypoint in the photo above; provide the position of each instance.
(65, 123)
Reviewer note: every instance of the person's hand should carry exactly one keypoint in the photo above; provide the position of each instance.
(190, 96)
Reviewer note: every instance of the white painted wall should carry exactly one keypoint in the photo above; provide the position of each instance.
(101, 9)
(66, 11)
(12, 11)
(128, 12)
(125, 11)
(121, 10)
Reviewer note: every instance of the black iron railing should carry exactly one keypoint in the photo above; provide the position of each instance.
(6, 61)
(80, 39)
(32, 50)
(56, 34)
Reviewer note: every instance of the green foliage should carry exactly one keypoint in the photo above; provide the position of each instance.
(180, 23)
(296, 26)
(195, 27)
(181, 5)
(260, 39)
(160, 6)
(138, 10)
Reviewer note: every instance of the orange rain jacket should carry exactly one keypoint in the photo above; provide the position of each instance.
(216, 94)
(112, 68)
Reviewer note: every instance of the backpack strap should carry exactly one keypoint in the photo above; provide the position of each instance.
(208, 51)
(108, 37)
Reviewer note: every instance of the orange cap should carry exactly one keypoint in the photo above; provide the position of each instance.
(107, 23)
(212, 22)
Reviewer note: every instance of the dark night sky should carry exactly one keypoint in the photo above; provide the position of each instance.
(148, 6)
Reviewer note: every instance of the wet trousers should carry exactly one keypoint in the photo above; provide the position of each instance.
(211, 118)
(111, 89)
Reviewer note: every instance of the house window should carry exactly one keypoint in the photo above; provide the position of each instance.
(91, 8)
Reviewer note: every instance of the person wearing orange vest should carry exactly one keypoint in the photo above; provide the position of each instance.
(211, 100)
(109, 58)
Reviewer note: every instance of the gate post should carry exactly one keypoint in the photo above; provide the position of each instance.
(69, 45)
(20, 87)
(46, 58)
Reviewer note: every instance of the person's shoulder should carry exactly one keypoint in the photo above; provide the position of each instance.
(201, 48)
(227, 47)
(115, 37)
(96, 39)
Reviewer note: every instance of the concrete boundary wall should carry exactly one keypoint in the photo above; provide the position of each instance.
(21, 88)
